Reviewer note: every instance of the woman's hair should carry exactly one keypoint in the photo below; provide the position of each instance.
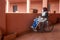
(45, 9)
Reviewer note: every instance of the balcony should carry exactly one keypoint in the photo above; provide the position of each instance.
(24, 6)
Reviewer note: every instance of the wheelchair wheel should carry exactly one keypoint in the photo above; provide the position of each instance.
(48, 27)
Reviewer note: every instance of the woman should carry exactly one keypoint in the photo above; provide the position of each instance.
(45, 13)
(45, 18)
(35, 23)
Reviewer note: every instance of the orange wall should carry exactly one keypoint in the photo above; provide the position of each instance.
(59, 6)
(54, 6)
(2, 16)
(17, 22)
(36, 5)
(21, 22)
(21, 7)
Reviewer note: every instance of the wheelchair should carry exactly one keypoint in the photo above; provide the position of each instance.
(45, 26)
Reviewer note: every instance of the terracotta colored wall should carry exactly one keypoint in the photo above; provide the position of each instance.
(2, 16)
(17, 22)
(21, 22)
(54, 6)
(59, 6)
(52, 18)
(58, 16)
(36, 5)
(44, 3)
(20, 6)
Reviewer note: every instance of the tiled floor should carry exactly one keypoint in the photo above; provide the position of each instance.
(55, 35)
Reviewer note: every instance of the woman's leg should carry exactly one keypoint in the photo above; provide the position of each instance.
(41, 26)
